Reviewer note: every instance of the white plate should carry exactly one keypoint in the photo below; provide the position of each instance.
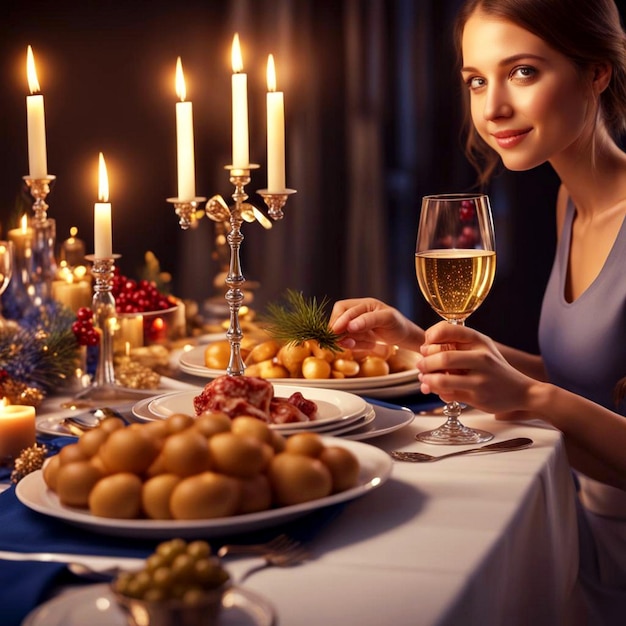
(387, 420)
(338, 428)
(332, 405)
(96, 605)
(375, 469)
(142, 413)
(393, 392)
(192, 362)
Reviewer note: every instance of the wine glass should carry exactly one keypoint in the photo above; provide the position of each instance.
(455, 262)
(6, 271)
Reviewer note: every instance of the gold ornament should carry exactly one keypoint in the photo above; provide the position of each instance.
(19, 393)
(29, 460)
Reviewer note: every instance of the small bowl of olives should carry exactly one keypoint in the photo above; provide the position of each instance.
(181, 584)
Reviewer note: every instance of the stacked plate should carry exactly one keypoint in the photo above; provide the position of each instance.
(338, 412)
(389, 386)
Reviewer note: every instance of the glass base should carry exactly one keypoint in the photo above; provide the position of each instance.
(454, 433)
(109, 395)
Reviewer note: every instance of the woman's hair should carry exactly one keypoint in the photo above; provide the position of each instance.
(585, 31)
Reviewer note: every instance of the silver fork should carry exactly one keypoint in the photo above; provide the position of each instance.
(287, 558)
(278, 545)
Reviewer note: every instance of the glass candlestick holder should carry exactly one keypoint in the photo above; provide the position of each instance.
(104, 387)
(43, 262)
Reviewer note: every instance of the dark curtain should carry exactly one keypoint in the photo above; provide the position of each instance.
(373, 123)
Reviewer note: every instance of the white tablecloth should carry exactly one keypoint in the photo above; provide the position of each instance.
(473, 540)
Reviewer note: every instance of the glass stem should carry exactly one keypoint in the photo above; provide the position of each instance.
(453, 409)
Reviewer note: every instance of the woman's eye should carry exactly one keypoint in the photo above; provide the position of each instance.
(475, 82)
(524, 72)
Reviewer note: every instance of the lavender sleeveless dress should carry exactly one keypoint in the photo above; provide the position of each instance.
(583, 345)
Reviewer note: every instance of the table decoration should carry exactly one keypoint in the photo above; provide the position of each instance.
(39, 355)
(219, 211)
(73, 249)
(38, 182)
(29, 460)
(17, 430)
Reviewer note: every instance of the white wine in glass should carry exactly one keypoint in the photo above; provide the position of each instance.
(455, 262)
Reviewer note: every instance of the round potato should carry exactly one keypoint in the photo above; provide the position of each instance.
(295, 478)
(374, 366)
(74, 482)
(315, 367)
(129, 450)
(237, 455)
(50, 471)
(186, 453)
(217, 355)
(117, 496)
(252, 427)
(156, 494)
(343, 467)
(308, 444)
(205, 496)
(91, 441)
(212, 422)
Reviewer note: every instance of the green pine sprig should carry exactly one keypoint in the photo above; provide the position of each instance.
(300, 320)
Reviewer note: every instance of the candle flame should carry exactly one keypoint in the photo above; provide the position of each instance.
(236, 57)
(31, 72)
(103, 180)
(73, 231)
(271, 73)
(181, 90)
(24, 224)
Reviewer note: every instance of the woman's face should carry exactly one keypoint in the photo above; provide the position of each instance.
(528, 102)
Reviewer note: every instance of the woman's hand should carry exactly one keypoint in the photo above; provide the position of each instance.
(367, 321)
(459, 363)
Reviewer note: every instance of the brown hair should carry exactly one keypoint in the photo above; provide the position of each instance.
(585, 31)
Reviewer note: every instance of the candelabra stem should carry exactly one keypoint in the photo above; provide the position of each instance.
(104, 387)
(235, 279)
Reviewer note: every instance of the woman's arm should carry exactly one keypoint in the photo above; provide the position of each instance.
(478, 374)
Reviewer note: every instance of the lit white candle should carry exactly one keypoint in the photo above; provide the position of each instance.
(241, 156)
(103, 247)
(17, 429)
(275, 132)
(37, 159)
(184, 139)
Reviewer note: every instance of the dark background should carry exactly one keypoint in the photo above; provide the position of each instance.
(357, 74)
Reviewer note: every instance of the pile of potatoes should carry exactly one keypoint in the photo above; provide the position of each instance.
(270, 359)
(187, 468)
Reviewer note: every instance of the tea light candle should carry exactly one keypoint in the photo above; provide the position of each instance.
(74, 294)
(73, 249)
(22, 239)
(241, 156)
(275, 132)
(129, 334)
(37, 158)
(17, 430)
(103, 246)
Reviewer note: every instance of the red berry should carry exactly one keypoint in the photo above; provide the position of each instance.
(467, 211)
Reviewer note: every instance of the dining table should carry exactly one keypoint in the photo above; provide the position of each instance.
(481, 539)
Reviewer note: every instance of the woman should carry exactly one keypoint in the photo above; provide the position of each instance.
(546, 81)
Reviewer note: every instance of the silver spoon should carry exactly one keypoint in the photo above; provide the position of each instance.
(500, 446)
(77, 424)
